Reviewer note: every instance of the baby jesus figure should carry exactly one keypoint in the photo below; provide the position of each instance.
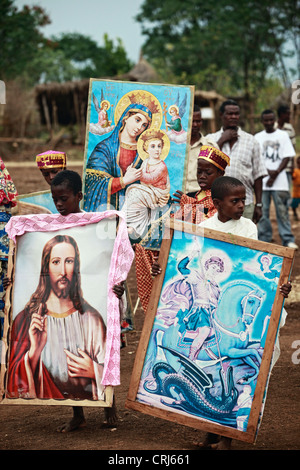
(154, 188)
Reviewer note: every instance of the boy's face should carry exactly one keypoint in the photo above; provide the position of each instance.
(49, 174)
(66, 202)
(233, 204)
(206, 174)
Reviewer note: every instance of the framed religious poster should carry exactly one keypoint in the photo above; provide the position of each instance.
(61, 342)
(207, 344)
(136, 151)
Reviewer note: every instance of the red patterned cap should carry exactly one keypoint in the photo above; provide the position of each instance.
(51, 159)
(214, 156)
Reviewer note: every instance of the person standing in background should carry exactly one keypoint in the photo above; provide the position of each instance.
(296, 189)
(246, 163)
(283, 123)
(50, 163)
(277, 149)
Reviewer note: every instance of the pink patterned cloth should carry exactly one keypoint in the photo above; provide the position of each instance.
(121, 261)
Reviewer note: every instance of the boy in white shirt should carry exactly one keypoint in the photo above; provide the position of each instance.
(228, 195)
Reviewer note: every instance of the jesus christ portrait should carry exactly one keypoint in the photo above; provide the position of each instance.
(58, 339)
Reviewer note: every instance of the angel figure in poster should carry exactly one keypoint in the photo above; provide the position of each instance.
(103, 125)
(154, 188)
(58, 339)
(115, 163)
(175, 131)
(267, 266)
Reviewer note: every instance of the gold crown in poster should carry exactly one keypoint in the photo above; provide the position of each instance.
(145, 99)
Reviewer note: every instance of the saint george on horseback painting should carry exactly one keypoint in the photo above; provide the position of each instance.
(211, 341)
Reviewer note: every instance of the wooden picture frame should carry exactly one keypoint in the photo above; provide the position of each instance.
(175, 378)
(90, 329)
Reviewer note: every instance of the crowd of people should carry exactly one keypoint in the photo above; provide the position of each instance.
(265, 163)
(232, 176)
(260, 162)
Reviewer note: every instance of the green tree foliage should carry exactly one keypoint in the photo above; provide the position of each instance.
(19, 37)
(91, 60)
(202, 41)
(27, 55)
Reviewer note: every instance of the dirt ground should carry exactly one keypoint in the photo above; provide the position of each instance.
(34, 427)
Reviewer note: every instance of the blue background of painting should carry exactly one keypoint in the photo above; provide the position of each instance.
(43, 199)
(240, 256)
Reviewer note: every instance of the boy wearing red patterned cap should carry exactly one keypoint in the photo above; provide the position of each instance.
(50, 163)
(211, 165)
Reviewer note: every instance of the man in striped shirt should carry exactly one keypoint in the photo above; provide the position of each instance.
(246, 163)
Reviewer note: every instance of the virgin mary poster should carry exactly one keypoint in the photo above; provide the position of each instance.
(126, 120)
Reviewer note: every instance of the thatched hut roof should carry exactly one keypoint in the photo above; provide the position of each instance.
(63, 88)
(142, 72)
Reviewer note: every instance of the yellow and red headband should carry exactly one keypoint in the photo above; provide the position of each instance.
(214, 156)
(51, 159)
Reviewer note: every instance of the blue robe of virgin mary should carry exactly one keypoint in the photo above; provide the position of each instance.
(103, 166)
